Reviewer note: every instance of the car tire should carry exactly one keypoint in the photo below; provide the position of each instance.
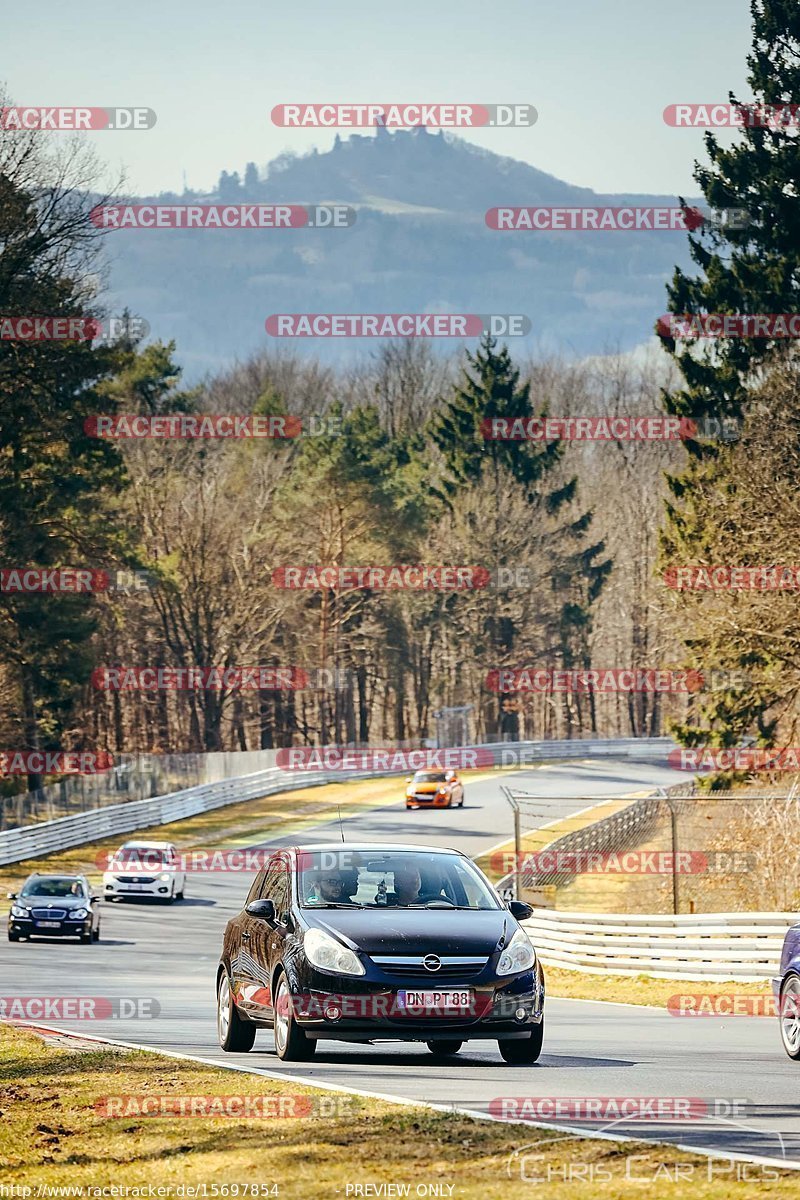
(182, 893)
(461, 801)
(96, 934)
(291, 1044)
(13, 937)
(523, 1052)
(235, 1035)
(86, 939)
(790, 1026)
(443, 1049)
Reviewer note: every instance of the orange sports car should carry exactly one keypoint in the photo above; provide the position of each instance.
(434, 789)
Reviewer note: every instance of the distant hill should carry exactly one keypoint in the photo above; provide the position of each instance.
(419, 244)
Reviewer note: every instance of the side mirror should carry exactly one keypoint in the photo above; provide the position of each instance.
(11, 895)
(264, 910)
(519, 909)
(410, 779)
(93, 898)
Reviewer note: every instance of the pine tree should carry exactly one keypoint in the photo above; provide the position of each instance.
(490, 388)
(752, 269)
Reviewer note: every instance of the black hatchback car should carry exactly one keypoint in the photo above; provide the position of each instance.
(54, 906)
(364, 943)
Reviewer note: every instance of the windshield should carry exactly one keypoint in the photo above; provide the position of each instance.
(53, 887)
(391, 879)
(430, 777)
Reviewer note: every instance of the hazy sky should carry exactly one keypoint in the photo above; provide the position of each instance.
(600, 72)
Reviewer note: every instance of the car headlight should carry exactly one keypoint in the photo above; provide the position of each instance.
(165, 875)
(18, 911)
(78, 914)
(519, 955)
(325, 952)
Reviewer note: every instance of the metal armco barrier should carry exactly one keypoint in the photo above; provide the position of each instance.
(710, 946)
(32, 841)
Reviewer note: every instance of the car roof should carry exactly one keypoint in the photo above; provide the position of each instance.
(374, 847)
(148, 845)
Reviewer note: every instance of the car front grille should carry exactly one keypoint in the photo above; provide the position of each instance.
(413, 968)
(136, 878)
(48, 914)
(425, 797)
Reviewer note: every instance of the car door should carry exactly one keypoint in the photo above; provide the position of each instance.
(263, 941)
(280, 895)
(244, 970)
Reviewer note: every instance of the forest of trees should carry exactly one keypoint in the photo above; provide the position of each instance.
(399, 472)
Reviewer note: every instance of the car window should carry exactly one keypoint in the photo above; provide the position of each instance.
(275, 885)
(386, 879)
(255, 888)
(53, 887)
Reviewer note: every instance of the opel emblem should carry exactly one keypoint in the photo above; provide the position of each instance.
(431, 962)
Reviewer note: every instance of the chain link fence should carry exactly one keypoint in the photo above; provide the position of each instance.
(136, 777)
(679, 851)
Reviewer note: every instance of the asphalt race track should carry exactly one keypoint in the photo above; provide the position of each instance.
(591, 1049)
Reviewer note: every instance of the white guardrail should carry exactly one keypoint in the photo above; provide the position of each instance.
(32, 841)
(702, 946)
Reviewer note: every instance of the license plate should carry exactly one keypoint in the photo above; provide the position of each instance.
(135, 887)
(48, 924)
(429, 1002)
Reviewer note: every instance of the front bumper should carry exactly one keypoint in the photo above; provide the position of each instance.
(421, 800)
(158, 888)
(28, 927)
(357, 1009)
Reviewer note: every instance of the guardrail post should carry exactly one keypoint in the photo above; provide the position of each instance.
(673, 816)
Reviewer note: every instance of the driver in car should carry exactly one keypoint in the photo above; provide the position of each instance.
(328, 888)
(407, 882)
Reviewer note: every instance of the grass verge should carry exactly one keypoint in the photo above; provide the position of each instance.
(643, 989)
(52, 1134)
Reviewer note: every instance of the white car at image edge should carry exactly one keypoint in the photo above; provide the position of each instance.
(148, 869)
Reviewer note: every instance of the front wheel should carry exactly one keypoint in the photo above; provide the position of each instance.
(790, 1015)
(13, 937)
(444, 1049)
(291, 1044)
(523, 1051)
(235, 1035)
